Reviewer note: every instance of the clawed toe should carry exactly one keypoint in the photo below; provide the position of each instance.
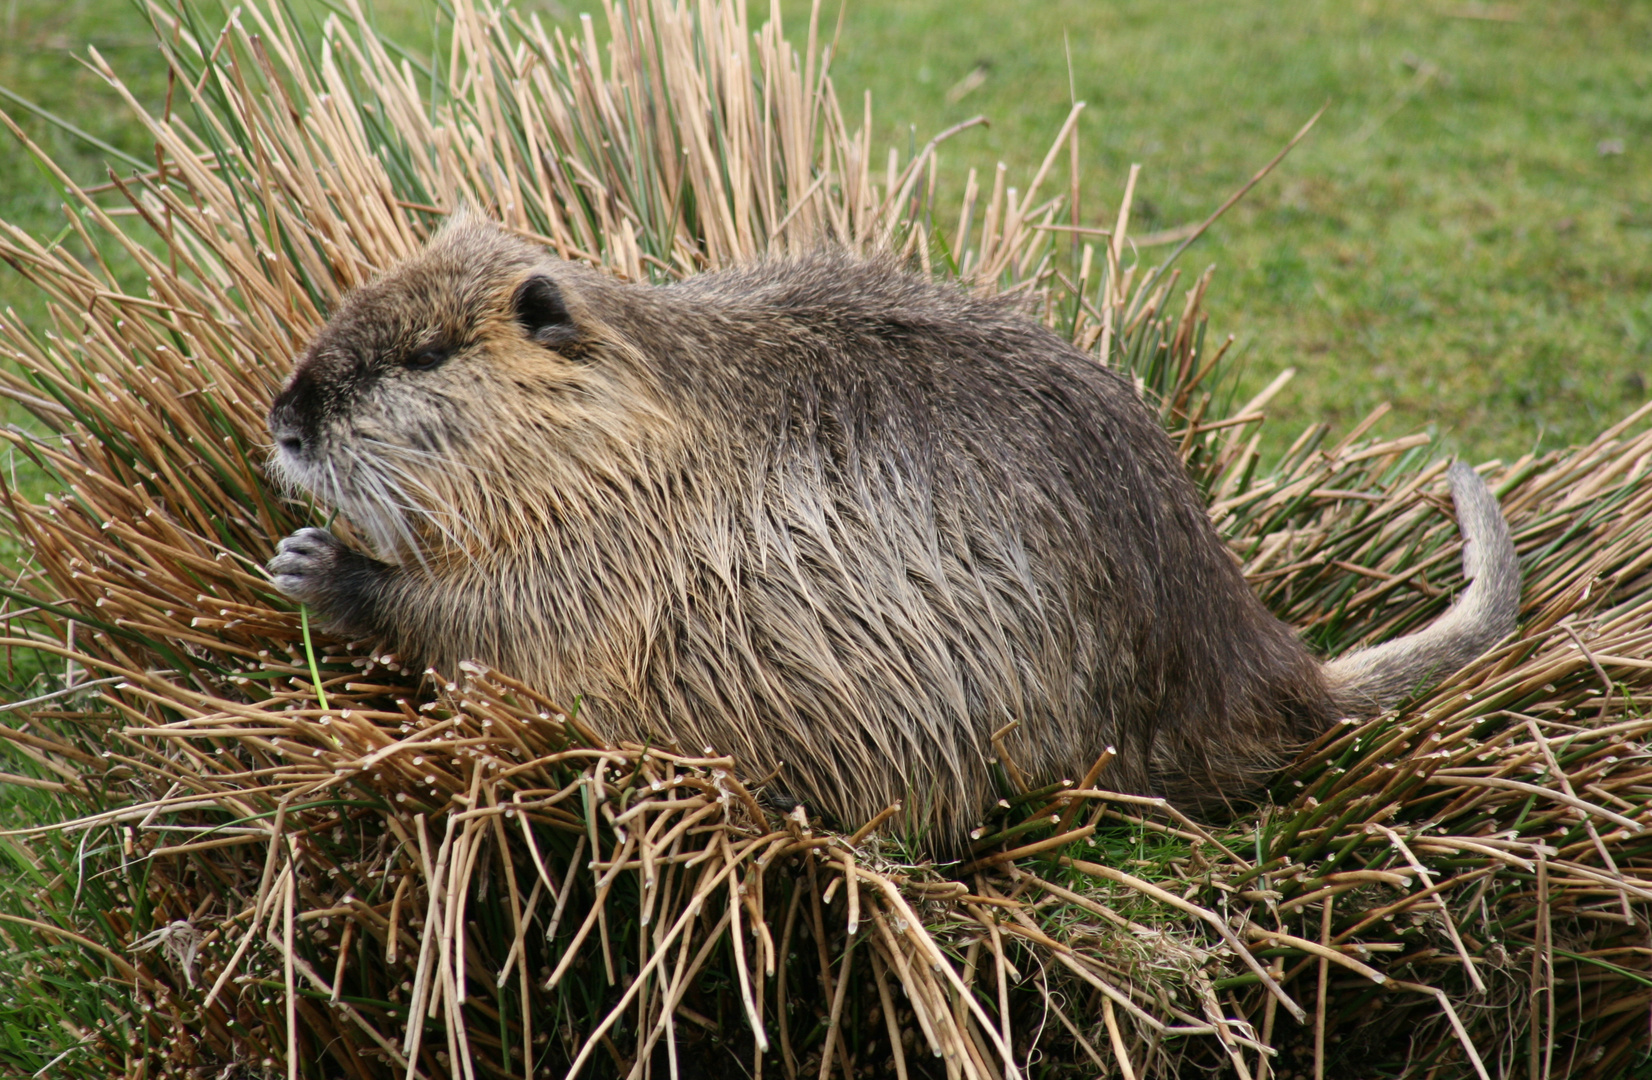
(302, 563)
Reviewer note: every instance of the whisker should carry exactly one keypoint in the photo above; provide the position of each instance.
(446, 461)
(381, 508)
(423, 507)
(389, 497)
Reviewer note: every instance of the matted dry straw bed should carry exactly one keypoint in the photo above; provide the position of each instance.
(269, 854)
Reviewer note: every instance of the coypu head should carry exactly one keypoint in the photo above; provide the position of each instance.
(466, 396)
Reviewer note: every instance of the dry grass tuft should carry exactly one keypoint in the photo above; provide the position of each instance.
(271, 855)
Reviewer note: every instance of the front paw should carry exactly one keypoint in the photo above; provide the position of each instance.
(343, 587)
(308, 567)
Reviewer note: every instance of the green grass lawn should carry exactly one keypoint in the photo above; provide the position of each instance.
(1465, 234)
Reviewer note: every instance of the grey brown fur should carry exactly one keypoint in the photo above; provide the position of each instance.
(830, 518)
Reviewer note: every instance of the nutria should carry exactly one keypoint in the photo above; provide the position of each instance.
(834, 519)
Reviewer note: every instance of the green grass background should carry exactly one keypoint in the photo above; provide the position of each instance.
(1465, 234)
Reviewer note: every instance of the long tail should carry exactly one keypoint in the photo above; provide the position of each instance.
(1366, 682)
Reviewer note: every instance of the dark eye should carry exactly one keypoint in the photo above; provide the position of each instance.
(425, 359)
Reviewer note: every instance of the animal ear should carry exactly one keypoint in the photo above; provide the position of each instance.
(539, 308)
